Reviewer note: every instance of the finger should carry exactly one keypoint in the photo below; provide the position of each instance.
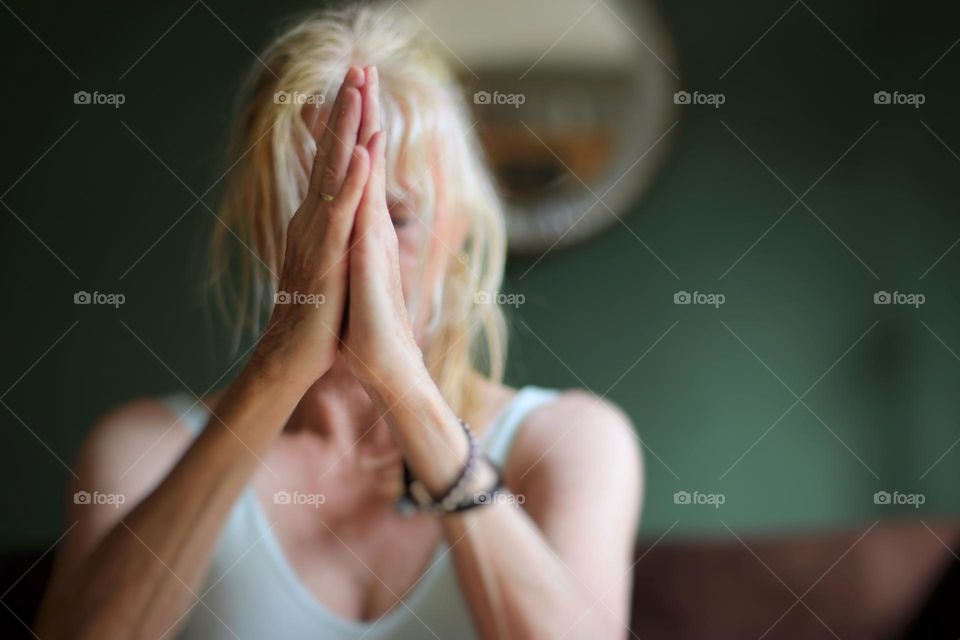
(344, 137)
(370, 92)
(378, 165)
(374, 192)
(323, 130)
(344, 207)
(312, 111)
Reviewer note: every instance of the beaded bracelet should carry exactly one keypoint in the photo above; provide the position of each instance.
(416, 497)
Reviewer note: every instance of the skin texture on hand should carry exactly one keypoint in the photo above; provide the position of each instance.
(379, 345)
(304, 330)
(342, 255)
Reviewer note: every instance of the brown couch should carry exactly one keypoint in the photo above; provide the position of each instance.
(883, 580)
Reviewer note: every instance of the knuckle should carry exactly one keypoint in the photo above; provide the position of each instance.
(323, 147)
(337, 213)
(323, 150)
(329, 175)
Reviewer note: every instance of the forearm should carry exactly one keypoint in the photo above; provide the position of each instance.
(427, 431)
(515, 584)
(145, 572)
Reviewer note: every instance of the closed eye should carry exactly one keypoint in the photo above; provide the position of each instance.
(401, 213)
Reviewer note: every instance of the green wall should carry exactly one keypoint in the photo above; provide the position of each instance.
(800, 299)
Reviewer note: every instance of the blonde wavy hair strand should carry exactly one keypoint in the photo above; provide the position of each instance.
(432, 152)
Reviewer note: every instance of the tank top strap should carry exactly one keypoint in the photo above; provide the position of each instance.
(191, 413)
(498, 439)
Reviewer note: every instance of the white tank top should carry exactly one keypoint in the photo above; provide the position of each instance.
(252, 592)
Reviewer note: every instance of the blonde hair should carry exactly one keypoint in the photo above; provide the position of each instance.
(427, 126)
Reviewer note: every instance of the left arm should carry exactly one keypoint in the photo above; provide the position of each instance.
(560, 566)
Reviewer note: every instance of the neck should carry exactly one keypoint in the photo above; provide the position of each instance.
(339, 411)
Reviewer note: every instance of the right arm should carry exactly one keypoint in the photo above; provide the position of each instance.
(131, 573)
(137, 575)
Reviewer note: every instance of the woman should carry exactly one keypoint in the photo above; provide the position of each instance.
(268, 510)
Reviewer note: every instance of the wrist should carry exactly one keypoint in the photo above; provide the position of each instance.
(255, 406)
(272, 370)
(429, 434)
(281, 355)
(404, 375)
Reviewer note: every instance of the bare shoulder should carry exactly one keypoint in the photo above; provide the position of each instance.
(577, 464)
(578, 424)
(578, 435)
(126, 453)
(131, 439)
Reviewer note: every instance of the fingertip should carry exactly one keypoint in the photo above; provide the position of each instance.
(361, 155)
(375, 143)
(354, 76)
